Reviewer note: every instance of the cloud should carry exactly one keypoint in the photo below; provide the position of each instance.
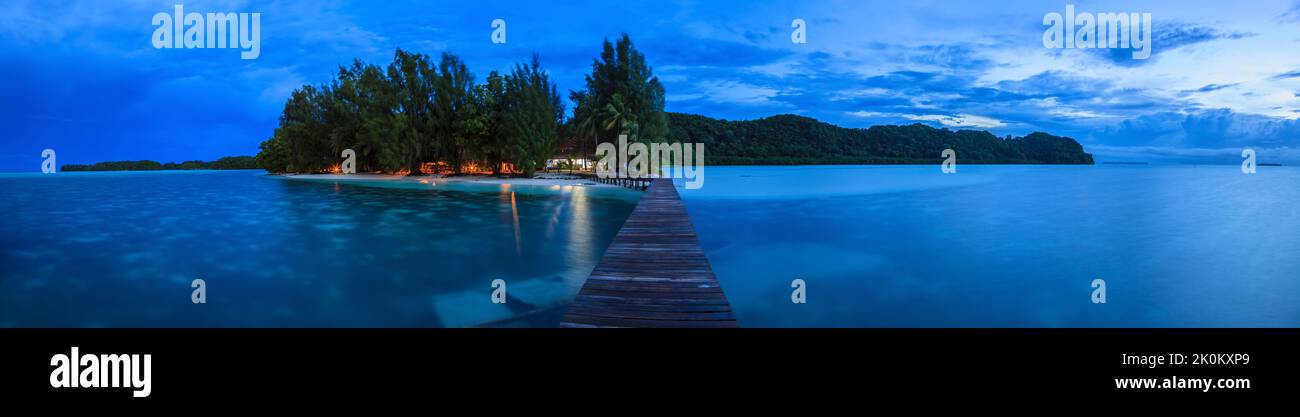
(860, 93)
(277, 83)
(677, 49)
(1290, 15)
(733, 92)
(1287, 75)
(954, 121)
(1212, 128)
(1211, 87)
(1169, 35)
(1176, 35)
(1173, 154)
(960, 120)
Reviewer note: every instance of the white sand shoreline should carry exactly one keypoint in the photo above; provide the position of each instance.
(544, 181)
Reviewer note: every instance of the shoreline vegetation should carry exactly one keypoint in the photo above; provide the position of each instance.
(227, 163)
(767, 141)
(416, 117)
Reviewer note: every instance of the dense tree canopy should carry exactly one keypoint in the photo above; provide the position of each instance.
(790, 139)
(416, 115)
(531, 116)
(622, 96)
(229, 162)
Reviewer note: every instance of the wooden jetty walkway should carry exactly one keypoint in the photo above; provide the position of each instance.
(654, 273)
(633, 183)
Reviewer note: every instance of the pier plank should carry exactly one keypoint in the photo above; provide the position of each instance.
(654, 274)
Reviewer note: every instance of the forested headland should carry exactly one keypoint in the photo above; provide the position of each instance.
(229, 162)
(790, 139)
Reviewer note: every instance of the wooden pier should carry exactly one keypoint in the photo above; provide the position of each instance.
(633, 183)
(654, 274)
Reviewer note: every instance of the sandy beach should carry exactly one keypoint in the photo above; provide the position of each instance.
(542, 180)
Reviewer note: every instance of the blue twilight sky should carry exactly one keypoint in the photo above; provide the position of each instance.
(83, 78)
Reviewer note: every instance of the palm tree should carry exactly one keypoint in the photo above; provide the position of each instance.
(619, 115)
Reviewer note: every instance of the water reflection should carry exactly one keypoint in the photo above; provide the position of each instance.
(120, 250)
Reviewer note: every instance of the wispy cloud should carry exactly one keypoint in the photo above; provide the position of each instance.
(1290, 15)
(733, 92)
(1170, 35)
(954, 121)
(1211, 87)
(1286, 75)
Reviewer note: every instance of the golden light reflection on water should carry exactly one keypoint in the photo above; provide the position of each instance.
(575, 217)
(514, 210)
(580, 237)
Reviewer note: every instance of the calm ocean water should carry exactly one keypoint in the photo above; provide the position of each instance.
(1005, 245)
(876, 245)
(120, 249)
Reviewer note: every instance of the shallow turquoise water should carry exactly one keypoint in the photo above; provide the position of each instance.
(121, 249)
(877, 246)
(1004, 245)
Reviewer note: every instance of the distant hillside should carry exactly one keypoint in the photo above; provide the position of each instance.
(791, 139)
(229, 162)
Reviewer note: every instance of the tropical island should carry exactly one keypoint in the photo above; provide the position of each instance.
(417, 116)
(229, 162)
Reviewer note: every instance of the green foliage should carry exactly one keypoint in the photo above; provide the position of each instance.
(532, 114)
(481, 122)
(230, 162)
(352, 100)
(411, 112)
(622, 97)
(272, 155)
(187, 165)
(454, 113)
(116, 166)
(790, 139)
(620, 118)
(585, 124)
(303, 129)
(408, 117)
(234, 162)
